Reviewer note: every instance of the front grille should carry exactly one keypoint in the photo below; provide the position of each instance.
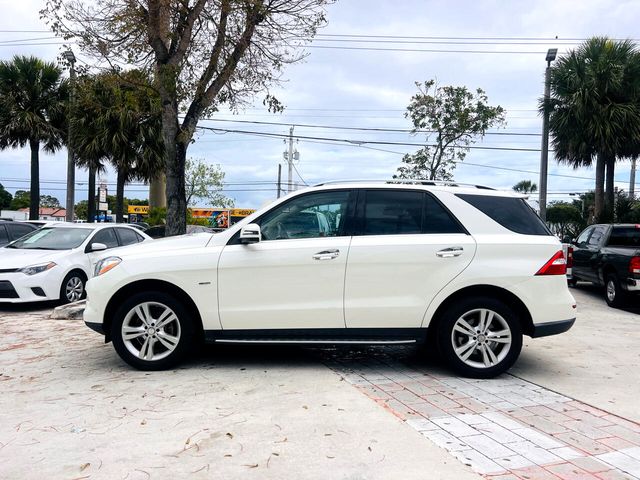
(7, 290)
(8, 270)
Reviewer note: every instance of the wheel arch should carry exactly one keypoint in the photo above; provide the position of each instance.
(153, 286)
(492, 291)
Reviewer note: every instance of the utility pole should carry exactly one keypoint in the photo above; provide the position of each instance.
(632, 179)
(279, 178)
(544, 156)
(290, 160)
(71, 164)
(290, 155)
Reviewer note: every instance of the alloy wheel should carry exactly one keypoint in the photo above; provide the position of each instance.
(481, 338)
(74, 289)
(151, 331)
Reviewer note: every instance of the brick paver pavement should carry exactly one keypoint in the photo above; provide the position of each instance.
(505, 428)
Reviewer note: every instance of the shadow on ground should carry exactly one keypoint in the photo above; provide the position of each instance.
(597, 293)
(27, 307)
(294, 356)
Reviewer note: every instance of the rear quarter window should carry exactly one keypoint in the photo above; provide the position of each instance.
(625, 237)
(512, 213)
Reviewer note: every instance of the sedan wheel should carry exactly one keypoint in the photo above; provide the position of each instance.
(479, 337)
(152, 331)
(72, 288)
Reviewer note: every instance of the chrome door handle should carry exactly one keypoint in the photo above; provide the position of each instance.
(450, 252)
(326, 255)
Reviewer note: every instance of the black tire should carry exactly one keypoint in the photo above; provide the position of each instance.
(182, 328)
(72, 288)
(572, 282)
(613, 293)
(504, 318)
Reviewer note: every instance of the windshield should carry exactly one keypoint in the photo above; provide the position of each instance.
(58, 238)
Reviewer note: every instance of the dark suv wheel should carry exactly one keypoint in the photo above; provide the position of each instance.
(480, 337)
(152, 331)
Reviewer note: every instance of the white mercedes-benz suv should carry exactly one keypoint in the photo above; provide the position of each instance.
(466, 270)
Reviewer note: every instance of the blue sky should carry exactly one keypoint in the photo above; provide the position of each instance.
(371, 88)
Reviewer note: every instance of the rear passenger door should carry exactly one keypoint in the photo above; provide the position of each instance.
(406, 247)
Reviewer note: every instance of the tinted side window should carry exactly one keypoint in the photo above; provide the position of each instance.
(596, 236)
(512, 213)
(127, 237)
(625, 237)
(308, 216)
(582, 239)
(4, 238)
(437, 219)
(18, 230)
(392, 212)
(106, 236)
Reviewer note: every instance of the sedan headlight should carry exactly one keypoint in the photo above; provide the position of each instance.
(106, 264)
(41, 267)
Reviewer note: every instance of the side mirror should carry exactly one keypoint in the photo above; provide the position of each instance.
(250, 234)
(97, 247)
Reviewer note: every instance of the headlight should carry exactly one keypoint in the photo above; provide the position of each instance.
(106, 264)
(41, 267)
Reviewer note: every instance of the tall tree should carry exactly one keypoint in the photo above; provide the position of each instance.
(204, 54)
(564, 218)
(118, 119)
(5, 197)
(525, 186)
(33, 102)
(595, 111)
(452, 118)
(204, 182)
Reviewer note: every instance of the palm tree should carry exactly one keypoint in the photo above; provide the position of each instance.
(33, 102)
(594, 110)
(119, 123)
(525, 186)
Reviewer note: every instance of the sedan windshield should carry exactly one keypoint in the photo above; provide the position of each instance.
(57, 238)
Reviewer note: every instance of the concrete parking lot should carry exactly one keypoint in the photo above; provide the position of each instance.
(71, 409)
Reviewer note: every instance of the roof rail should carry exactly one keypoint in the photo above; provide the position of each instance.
(409, 181)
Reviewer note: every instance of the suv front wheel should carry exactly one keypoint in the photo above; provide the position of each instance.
(480, 337)
(152, 331)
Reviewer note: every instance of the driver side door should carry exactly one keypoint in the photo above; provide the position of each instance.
(294, 277)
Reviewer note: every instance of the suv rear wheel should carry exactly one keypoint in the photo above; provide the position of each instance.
(480, 337)
(152, 331)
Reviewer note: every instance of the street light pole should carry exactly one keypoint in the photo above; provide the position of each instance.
(544, 155)
(71, 164)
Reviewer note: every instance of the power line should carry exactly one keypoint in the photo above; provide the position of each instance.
(358, 142)
(382, 49)
(445, 42)
(299, 176)
(366, 129)
(454, 38)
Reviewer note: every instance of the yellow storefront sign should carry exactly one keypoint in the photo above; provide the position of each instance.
(140, 209)
(241, 212)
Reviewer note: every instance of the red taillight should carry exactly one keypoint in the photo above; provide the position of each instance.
(634, 265)
(555, 266)
(569, 257)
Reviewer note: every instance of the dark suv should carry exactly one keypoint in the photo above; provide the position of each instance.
(10, 231)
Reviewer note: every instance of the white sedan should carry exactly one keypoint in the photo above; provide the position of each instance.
(55, 262)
